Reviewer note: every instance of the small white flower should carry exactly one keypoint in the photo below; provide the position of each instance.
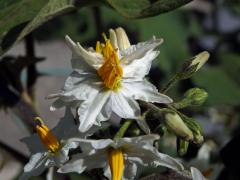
(49, 148)
(120, 158)
(109, 80)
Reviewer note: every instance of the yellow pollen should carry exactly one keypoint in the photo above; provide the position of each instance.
(47, 138)
(116, 163)
(111, 71)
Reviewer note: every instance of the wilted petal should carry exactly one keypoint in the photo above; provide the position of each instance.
(145, 91)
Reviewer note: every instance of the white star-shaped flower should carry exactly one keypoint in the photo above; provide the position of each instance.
(49, 148)
(110, 79)
(119, 158)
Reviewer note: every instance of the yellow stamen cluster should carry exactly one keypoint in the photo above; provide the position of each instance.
(116, 163)
(47, 138)
(111, 71)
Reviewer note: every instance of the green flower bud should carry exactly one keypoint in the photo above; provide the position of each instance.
(196, 96)
(177, 126)
(198, 138)
(195, 128)
(182, 146)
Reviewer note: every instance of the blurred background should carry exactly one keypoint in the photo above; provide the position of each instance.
(201, 25)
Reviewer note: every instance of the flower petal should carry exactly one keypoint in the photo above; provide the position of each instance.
(130, 171)
(90, 109)
(145, 91)
(82, 162)
(196, 174)
(87, 145)
(147, 155)
(35, 166)
(125, 107)
(140, 67)
(85, 60)
(138, 51)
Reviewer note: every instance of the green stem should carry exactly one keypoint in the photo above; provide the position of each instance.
(123, 129)
(181, 104)
(170, 83)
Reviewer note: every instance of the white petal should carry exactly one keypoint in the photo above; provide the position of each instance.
(147, 155)
(82, 162)
(125, 107)
(145, 91)
(196, 174)
(105, 113)
(138, 141)
(139, 68)
(138, 51)
(92, 59)
(115, 119)
(66, 127)
(87, 145)
(50, 174)
(34, 144)
(89, 111)
(77, 88)
(35, 166)
(130, 171)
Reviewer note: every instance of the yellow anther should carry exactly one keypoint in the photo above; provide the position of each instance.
(111, 71)
(98, 47)
(116, 163)
(47, 138)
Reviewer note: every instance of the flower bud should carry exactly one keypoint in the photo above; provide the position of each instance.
(200, 60)
(196, 96)
(182, 146)
(177, 126)
(193, 65)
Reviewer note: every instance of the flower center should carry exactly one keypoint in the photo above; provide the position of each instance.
(47, 138)
(110, 72)
(116, 163)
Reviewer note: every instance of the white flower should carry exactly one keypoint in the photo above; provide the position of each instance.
(49, 148)
(120, 158)
(109, 80)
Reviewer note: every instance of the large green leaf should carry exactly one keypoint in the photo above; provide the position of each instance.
(220, 87)
(15, 13)
(145, 8)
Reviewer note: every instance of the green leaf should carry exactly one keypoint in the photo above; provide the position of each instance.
(220, 87)
(19, 12)
(16, 12)
(145, 8)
